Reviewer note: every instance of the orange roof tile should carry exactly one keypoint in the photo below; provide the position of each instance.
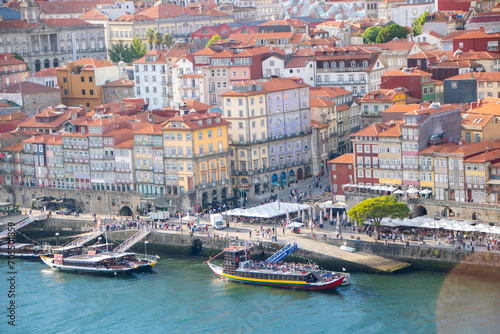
(320, 102)
(347, 158)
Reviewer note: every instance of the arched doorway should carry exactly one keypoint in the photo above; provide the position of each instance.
(308, 171)
(37, 65)
(256, 185)
(215, 200)
(283, 179)
(419, 211)
(55, 62)
(223, 194)
(300, 174)
(265, 183)
(274, 181)
(46, 63)
(204, 199)
(126, 211)
(291, 176)
(476, 216)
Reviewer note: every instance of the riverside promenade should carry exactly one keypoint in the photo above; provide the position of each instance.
(241, 231)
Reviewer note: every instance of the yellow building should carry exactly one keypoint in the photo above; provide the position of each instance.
(196, 155)
(81, 81)
(480, 123)
(477, 173)
(389, 155)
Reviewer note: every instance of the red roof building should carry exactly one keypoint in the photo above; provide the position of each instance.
(477, 40)
(341, 172)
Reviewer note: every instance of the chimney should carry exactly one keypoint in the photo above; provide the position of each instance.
(122, 106)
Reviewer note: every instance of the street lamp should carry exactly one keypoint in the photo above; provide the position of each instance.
(146, 248)
(57, 238)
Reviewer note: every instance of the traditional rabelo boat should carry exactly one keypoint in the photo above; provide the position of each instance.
(98, 260)
(238, 267)
(20, 250)
(10, 248)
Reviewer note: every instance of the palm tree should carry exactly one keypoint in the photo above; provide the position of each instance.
(158, 40)
(168, 41)
(150, 37)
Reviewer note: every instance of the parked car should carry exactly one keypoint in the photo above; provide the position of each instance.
(63, 212)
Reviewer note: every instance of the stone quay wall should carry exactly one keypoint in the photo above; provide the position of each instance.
(441, 259)
(471, 211)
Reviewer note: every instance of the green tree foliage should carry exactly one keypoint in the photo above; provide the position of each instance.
(18, 56)
(377, 208)
(168, 41)
(119, 52)
(213, 39)
(370, 34)
(158, 40)
(418, 23)
(137, 49)
(150, 37)
(389, 33)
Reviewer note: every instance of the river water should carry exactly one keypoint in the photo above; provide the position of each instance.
(184, 296)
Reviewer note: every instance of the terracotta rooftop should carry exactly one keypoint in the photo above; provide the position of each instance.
(267, 86)
(191, 120)
(347, 158)
(27, 87)
(320, 102)
(120, 83)
(93, 14)
(479, 76)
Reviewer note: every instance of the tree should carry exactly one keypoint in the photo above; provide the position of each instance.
(18, 56)
(370, 34)
(150, 37)
(377, 208)
(213, 39)
(158, 40)
(389, 33)
(418, 23)
(168, 41)
(120, 52)
(137, 49)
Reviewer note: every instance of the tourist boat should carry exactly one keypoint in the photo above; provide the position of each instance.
(21, 250)
(98, 260)
(238, 267)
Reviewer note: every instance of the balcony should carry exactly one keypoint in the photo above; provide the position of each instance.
(258, 141)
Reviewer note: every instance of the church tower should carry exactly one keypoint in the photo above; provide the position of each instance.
(30, 11)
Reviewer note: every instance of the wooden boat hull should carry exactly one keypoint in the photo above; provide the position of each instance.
(277, 283)
(88, 270)
(25, 256)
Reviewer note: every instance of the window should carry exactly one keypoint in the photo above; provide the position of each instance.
(91, 92)
(82, 79)
(493, 46)
(453, 85)
(83, 91)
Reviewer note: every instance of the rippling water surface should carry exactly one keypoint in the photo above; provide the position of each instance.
(183, 296)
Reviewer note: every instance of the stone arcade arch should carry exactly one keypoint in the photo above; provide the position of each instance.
(419, 211)
(204, 199)
(300, 174)
(126, 211)
(283, 179)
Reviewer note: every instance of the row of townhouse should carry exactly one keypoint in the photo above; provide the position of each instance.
(206, 74)
(188, 154)
(425, 150)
